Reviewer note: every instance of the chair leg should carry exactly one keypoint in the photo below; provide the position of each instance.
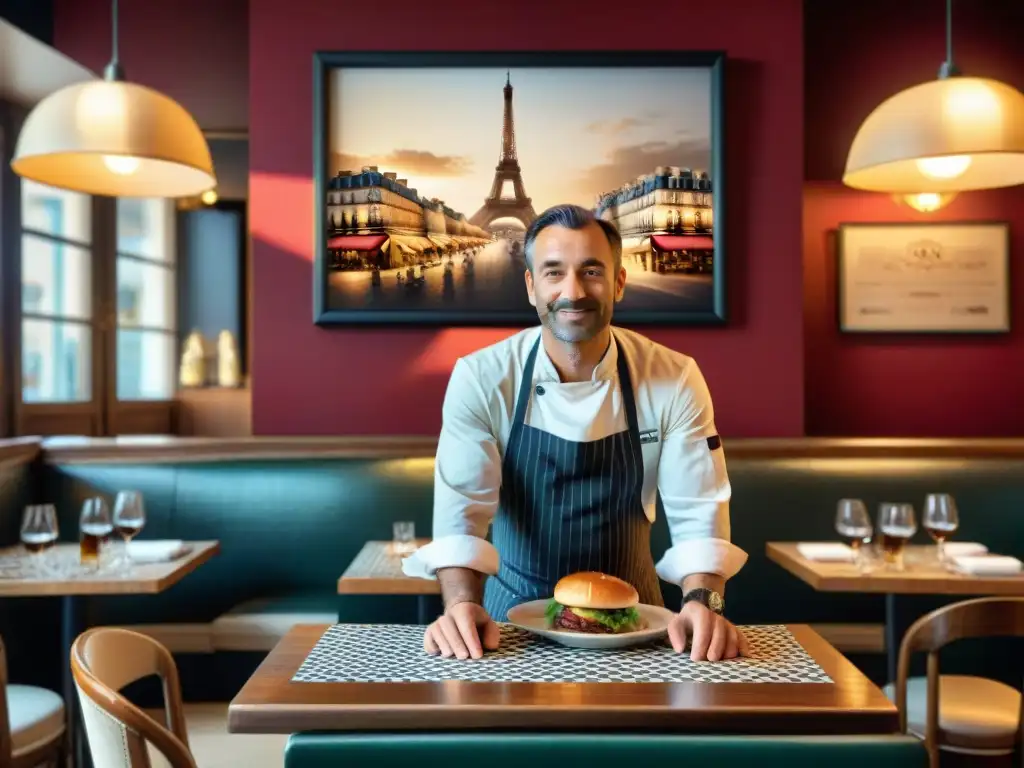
(63, 753)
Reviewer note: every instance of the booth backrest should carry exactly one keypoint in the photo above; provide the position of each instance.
(292, 523)
(292, 514)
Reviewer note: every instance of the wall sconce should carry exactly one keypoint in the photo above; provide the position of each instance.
(926, 202)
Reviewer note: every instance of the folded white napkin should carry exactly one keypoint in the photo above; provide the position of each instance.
(964, 548)
(156, 551)
(826, 551)
(988, 565)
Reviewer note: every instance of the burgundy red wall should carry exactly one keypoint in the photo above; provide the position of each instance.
(782, 339)
(858, 54)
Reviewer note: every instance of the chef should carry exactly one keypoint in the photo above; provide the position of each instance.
(561, 437)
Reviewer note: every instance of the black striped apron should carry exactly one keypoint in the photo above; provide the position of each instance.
(566, 507)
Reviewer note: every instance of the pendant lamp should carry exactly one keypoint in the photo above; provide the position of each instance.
(115, 138)
(954, 134)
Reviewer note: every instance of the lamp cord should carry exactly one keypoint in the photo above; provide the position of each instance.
(114, 71)
(114, 33)
(948, 68)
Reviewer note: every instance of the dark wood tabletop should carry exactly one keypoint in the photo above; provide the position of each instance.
(271, 703)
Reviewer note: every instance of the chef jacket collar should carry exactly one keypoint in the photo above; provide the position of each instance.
(605, 370)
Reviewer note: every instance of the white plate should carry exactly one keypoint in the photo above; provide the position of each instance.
(532, 617)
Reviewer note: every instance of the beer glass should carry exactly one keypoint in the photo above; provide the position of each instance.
(94, 527)
(940, 521)
(897, 525)
(129, 519)
(39, 532)
(854, 525)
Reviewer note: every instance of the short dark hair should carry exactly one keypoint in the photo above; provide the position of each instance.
(571, 217)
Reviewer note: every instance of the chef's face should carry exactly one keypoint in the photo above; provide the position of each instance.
(574, 281)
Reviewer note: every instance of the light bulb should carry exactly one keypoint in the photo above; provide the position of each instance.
(926, 202)
(121, 165)
(944, 167)
(209, 196)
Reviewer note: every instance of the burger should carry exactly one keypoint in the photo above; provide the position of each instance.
(595, 602)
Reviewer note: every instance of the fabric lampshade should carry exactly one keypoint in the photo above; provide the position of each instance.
(954, 134)
(114, 138)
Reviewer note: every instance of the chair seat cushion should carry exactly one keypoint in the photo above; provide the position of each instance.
(258, 625)
(36, 716)
(974, 712)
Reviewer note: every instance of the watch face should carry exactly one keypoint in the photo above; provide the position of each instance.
(709, 598)
(715, 602)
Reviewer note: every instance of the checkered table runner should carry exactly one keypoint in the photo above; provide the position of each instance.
(382, 653)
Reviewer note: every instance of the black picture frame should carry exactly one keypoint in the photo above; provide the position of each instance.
(325, 61)
(841, 247)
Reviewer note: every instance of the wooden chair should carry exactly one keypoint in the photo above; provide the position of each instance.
(103, 661)
(32, 723)
(960, 713)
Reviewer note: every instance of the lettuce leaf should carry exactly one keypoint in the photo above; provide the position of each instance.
(614, 619)
(551, 612)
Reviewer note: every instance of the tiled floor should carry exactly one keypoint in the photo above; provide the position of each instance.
(213, 747)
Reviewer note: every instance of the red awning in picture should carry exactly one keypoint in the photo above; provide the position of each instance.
(356, 242)
(683, 242)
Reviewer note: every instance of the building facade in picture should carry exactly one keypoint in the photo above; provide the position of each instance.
(666, 220)
(375, 221)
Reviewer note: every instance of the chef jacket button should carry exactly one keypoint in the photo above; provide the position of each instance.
(540, 390)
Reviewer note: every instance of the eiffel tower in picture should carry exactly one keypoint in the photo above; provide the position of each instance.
(495, 206)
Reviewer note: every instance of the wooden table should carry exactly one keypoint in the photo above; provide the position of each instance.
(271, 703)
(377, 570)
(923, 576)
(144, 578)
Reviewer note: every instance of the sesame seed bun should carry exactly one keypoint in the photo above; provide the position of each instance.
(590, 589)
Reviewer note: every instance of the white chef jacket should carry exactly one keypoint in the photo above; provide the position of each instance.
(675, 419)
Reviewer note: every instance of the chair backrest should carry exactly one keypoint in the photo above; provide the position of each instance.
(978, 618)
(981, 617)
(103, 661)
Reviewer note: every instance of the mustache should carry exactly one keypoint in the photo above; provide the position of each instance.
(581, 305)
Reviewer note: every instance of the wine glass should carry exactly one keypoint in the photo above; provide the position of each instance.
(897, 525)
(94, 527)
(940, 520)
(129, 518)
(854, 525)
(39, 531)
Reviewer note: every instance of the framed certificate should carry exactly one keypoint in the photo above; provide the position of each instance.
(945, 277)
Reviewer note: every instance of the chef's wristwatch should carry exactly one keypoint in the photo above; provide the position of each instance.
(706, 597)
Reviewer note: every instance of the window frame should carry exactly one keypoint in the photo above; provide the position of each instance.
(103, 414)
(171, 332)
(57, 318)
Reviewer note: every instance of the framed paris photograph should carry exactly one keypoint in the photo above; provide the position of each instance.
(430, 167)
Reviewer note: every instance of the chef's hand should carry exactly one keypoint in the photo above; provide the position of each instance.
(711, 636)
(459, 631)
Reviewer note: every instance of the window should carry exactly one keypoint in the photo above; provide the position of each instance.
(56, 287)
(146, 316)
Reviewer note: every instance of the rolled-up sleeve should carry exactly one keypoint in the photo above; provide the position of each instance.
(694, 486)
(467, 480)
